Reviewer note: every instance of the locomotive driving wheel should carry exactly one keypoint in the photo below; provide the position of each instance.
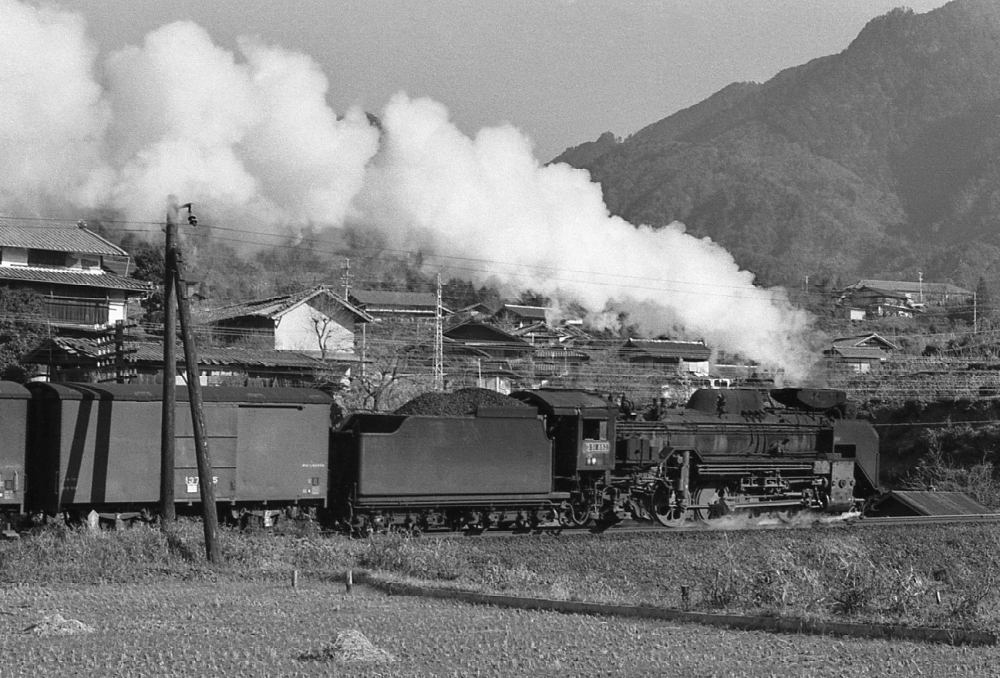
(664, 507)
(713, 498)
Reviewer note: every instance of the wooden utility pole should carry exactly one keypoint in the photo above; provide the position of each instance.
(205, 478)
(438, 341)
(167, 430)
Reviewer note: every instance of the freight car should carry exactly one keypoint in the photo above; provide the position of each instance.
(97, 448)
(13, 447)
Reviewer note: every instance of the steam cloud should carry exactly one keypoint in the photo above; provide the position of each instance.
(252, 138)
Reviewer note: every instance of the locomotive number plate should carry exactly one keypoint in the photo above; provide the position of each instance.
(594, 447)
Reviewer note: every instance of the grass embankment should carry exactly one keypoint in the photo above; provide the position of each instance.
(934, 576)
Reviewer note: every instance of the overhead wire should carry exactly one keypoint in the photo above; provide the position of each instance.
(490, 266)
(213, 232)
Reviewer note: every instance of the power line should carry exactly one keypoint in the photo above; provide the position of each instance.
(520, 270)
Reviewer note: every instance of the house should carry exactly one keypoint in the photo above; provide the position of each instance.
(519, 316)
(479, 354)
(86, 359)
(685, 356)
(919, 292)
(476, 311)
(542, 334)
(316, 322)
(878, 302)
(476, 338)
(861, 354)
(558, 349)
(82, 277)
(382, 305)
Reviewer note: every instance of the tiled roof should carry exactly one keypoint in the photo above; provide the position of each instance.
(911, 287)
(864, 341)
(537, 329)
(882, 292)
(473, 331)
(663, 348)
(152, 352)
(234, 355)
(58, 239)
(380, 298)
(273, 307)
(531, 312)
(862, 353)
(560, 354)
(65, 277)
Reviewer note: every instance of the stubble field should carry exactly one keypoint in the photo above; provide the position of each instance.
(142, 603)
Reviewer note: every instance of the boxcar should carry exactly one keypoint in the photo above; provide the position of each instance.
(97, 447)
(13, 442)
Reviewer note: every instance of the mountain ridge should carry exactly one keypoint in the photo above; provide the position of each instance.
(875, 160)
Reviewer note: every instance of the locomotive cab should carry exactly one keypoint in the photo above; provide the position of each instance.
(581, 427)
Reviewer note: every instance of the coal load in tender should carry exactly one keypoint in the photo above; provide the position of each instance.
(462, 403)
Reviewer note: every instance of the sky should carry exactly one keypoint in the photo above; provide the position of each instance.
(561, 71)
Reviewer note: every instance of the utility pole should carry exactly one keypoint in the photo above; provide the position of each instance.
(345, 278)
(167, 429)
(438, 341)
(205, 477)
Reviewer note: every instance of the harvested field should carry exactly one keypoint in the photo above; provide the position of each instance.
(156, 608)
(251, 628)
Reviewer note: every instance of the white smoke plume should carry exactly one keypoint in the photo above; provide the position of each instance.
(487, 202)
(251, 139)
(255, 139)
(53, 115)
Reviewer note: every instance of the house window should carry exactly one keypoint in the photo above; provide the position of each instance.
(51, 258)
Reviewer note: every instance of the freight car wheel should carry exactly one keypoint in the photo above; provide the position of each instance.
(665, 509)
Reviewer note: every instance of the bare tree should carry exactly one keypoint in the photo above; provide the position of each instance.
(396, 365)
(322, 326)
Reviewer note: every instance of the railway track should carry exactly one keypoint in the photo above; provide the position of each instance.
(847, 521)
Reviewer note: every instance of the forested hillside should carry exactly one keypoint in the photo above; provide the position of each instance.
(879, 161)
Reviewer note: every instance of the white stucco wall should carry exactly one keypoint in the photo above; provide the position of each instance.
(15, 256)
(116, 311)
(296, 331)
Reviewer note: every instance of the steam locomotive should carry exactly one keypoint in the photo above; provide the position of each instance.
(545, 458)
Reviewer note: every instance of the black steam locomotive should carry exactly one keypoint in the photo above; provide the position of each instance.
(547, 458)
